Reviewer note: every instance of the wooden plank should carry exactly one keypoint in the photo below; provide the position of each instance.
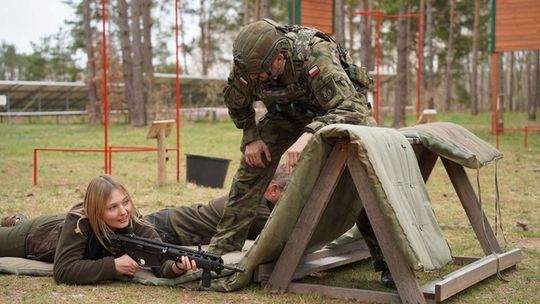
(309, 218)
(517, 48)
(317, 5)
(527, 16)
(526, 22)
(330, 262)
(263, 272)
(404, 277)
(505, 34)
(356, 250)
(514, 33)
(475, 272)
(516, 4)
(469, 201)
(517, 25)
(516, 44)
(323, 18)
(338, 250)
(465, 260)
(346, 293)
(318, 2)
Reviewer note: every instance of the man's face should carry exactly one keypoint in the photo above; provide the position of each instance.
(276, 69)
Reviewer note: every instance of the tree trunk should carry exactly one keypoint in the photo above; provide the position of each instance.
(428, 59)
(202, 43)
(522, 78)
(183, 44)
(365, 37)
(449, 57)
(94, 109)
(139, 109)
(246, 11)
(350, 33)
(534, 96)
(511, 83)
(401, 77)
(147, 58)
(339, 21)
(264, 9)
(127, 61)
(474, 77)
(257, 9)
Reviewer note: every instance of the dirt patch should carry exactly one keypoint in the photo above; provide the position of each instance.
(529, 243)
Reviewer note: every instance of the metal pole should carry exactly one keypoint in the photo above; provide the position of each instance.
(177, 8)
(419, 67)
(105, 98)
(378, 77)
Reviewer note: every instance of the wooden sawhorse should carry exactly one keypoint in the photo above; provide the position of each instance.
(292, 262)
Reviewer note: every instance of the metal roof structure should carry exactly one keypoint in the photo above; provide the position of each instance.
(28, 96)
(39, 96)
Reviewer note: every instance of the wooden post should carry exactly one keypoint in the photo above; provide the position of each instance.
(471, 205)
(308, 220)
(162, 155)
(404, 278)
(160, 129)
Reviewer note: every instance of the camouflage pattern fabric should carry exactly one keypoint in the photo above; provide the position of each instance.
(196, 224)
(313, 91)
(249, 185)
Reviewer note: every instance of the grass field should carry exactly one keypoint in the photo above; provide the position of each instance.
(63, 178)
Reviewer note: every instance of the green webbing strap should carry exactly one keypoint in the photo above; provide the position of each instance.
(498, 215)
(499, 274)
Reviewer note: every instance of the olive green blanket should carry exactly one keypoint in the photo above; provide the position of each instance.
(395, 178)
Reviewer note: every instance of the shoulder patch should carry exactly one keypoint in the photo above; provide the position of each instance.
(314, 71)
(243, 81)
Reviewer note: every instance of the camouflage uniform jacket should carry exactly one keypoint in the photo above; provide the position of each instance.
(313, 80)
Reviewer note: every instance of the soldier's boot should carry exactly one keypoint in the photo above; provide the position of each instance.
(387, 280)
(12, 220)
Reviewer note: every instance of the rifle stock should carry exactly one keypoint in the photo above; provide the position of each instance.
(152, 253)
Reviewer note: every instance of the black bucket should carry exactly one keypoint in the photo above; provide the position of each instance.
(206, 171)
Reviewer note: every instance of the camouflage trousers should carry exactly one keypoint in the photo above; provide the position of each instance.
(369, 237)
(13, 239)
(250, 183)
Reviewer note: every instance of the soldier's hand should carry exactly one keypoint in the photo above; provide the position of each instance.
(126, 265)
(294, 151)
(184, 264)
(254, 151)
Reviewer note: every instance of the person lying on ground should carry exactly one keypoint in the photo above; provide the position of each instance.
(79, 243)
(196, 224)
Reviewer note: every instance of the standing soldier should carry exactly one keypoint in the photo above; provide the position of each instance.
(306, 81)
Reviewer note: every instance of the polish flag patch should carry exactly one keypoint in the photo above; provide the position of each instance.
(243, 81)
(314, 71)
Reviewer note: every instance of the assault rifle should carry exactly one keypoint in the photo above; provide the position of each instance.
(151, 253)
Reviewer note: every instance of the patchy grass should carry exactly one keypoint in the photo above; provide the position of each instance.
(64, 176)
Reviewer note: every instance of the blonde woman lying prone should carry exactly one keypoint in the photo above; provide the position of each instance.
(79, 242)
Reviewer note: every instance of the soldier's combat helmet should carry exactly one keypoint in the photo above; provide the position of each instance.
(257, 46)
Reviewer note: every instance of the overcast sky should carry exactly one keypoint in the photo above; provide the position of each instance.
(25, 21)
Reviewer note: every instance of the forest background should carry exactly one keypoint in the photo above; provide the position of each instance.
(140, 42)
(456, 71)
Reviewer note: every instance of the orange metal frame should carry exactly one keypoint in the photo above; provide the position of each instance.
(380, 15)
(108, 150)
